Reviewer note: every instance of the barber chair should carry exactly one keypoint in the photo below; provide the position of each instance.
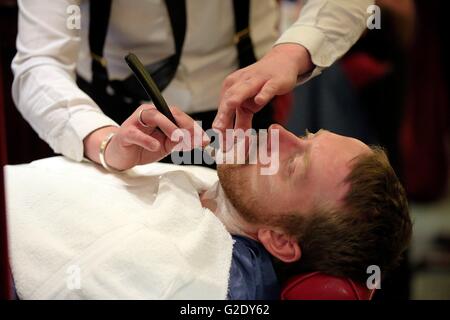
(319, 286)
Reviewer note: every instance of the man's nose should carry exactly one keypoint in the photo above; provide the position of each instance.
(287, 140)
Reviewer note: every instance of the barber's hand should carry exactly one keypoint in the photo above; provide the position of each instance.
(248, 90)
(134, 144)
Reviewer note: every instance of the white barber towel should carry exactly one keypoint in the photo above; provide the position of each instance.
(77, 232)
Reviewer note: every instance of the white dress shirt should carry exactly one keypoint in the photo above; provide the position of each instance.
(49, 54)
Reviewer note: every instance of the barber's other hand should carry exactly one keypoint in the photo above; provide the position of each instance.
(133, 144)
(248, 90)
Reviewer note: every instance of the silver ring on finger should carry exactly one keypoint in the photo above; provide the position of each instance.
(141, 122)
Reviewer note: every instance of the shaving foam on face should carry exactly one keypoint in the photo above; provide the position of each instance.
(225, 211)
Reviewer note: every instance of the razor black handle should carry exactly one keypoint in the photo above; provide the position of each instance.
(149, 86)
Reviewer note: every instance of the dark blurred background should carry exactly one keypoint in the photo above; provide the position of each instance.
(390, 89)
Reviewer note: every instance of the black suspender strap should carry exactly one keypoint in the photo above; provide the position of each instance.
(242, 39)
(99, 13)
(163, 71)
(166, 69)
(177, 16)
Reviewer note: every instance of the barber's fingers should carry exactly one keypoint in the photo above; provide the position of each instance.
(230, 81)
(184, 121)
(226, 113)
(244, 115)
(269, 90)
(242, 91)
(152, 118)
(187, 135)
(134, 136)
(196, 135)
(233, 98)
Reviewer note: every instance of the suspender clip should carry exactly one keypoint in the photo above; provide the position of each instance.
(238, 37)
(99, 59)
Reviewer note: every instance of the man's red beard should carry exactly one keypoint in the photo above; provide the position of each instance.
(235, 181)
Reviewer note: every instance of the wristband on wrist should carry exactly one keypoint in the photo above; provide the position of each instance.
(103, 146)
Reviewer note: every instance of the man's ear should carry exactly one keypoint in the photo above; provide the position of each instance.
(280, 245)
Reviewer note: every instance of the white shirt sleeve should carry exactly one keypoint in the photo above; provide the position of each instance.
(327, 29)
(44, 87)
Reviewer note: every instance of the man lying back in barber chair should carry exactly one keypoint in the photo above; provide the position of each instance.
(163, 231)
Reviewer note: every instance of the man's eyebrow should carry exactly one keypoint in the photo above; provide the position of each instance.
(306, 163)
(307, 156)
(318, 133)
(309, 134)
